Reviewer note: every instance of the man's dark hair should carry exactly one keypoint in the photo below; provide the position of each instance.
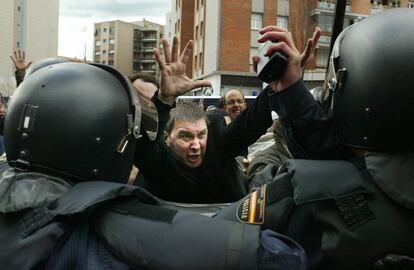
(145, 77)
(221, 102)
(185, 111)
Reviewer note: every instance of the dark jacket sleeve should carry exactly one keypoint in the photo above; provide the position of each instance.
(248, 126)
(19, 75)
(2, 125)
(309, 131)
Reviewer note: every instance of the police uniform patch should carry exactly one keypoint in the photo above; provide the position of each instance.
(252, 208)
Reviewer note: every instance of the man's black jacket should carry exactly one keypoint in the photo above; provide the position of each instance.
(218, 179)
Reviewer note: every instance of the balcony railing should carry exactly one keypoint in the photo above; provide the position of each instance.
(330, 7)
(378, 7)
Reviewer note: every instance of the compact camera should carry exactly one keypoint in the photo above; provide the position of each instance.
(272, 67)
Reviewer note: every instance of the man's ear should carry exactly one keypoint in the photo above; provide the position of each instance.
(166, 138)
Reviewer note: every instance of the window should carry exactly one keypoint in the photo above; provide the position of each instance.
(201, 29)
(111, 30)
(282, 21)
(97, 53)
(136, 66)
(103, 62)
(18, 9)
(111, 41)
(111, 52)
(104, 41)
(195, 62)
(326, 22)
(97, 43)
(104, 30)
(322, 58)
(104, 52)
(111, 62)
(256, 21)
(200, 58)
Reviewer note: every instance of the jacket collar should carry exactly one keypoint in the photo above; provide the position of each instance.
(23, 190)
(394, 173)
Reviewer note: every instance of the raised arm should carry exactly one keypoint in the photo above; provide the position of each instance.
(255, 120)
(309, 131)
(173, 67)
(20, 65)
(174, 82)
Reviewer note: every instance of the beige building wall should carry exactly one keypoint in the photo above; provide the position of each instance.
(41, 29)
(124, 41)
(28, 25)
(6, 36)
(113, 45)
(128, 47)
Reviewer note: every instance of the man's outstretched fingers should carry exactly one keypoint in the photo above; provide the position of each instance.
(167, 52)
(185, 55)
(272, 28)
(201, 83)
(255, 60)
(160, 62)
(175, 47)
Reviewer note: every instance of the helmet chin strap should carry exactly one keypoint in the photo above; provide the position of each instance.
(124, 141)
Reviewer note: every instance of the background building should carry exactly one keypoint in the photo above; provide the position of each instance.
(114, 41)
(225, 35)
(147, 36)
(127, 46)
(180, 23)
(307, 14)
(31, 26)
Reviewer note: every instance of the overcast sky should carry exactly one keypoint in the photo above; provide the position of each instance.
(78, 16)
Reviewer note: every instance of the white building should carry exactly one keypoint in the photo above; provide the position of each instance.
(28, 25)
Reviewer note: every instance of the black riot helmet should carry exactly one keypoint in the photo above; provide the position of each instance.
(370, 73)
(76, 120)
(44, 63)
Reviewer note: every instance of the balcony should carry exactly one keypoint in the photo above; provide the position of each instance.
(149, 39)
(145, 60)
(147, 49)
(377, 6)
(327, 8)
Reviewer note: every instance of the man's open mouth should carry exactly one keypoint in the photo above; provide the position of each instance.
(193, 158)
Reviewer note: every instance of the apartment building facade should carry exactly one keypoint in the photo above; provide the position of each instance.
(225, 35)
(127, 46)
(307, 14)
(147, 36)
(31, 26)
(180, 23)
